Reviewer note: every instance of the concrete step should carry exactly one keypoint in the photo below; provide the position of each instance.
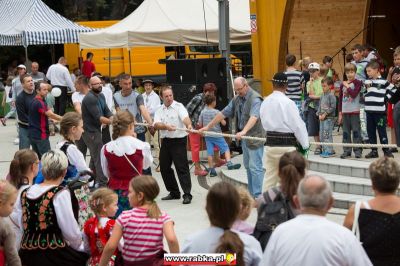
(347, 190)
(344, 200)
(348, 185)
(350, 167)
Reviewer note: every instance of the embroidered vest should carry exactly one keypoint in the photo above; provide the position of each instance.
(121, 172)
(41, 230)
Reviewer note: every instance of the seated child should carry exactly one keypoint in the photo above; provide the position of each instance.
(246, 204)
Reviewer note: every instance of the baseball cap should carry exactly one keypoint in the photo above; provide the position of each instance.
(313, 65)
(21, 66)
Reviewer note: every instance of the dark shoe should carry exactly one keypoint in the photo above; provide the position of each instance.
(317, 151)
(233, 166)
(212, 172)
(187, 199)
(372, 154)
(171, 197)
(345, 155)
(394, 150)
(358, 156)
(388, 154)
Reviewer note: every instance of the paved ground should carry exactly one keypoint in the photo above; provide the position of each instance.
(188, 218)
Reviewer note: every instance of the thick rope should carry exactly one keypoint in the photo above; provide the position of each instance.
(355, 145)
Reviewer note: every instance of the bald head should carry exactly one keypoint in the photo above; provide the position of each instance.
(34, 67)
(241, 86)
(95, 84)
(314, 192)
(62, 60)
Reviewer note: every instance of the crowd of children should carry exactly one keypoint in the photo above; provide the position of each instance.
(361, 104)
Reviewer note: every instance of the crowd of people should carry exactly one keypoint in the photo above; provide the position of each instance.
(108, 208)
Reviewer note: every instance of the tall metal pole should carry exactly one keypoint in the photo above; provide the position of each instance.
(224, 40)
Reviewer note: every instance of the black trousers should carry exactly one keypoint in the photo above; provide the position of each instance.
(142, 137)
(174, 150)
(61, 101)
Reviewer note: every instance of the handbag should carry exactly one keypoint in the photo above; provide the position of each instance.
(356, 229)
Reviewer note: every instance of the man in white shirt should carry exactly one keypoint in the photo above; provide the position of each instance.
(284, 128)
(310, 238)
(170, 116)
(152, 102)
(59, 76)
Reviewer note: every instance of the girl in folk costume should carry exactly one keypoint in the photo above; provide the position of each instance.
(97, 230)
(124, 158)
(142, 227)
(71, 128)
(23, 170)
(8, 251)
(51, 235)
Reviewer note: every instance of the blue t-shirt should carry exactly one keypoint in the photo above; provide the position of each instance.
(206, 116)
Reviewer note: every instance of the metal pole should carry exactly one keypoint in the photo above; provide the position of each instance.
(26, 56)
(224, 39)
(109, 62)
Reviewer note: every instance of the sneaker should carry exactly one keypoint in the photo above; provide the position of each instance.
(358, 156)
(345, 155)
(394, 150)
(326, 154)
(233, 166)
(372, 154)
(220, 163)
(16, 141)
(200, 172)
(388, 154)
(3, 121)
(317, 151)
(212, 172)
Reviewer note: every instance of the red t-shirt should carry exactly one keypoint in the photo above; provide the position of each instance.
(88, 68)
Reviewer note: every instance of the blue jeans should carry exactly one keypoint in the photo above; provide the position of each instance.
(252, 160)
(40, 146)
(24, 141)
(325, 133)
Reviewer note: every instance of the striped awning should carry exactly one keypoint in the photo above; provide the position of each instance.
(32, 22)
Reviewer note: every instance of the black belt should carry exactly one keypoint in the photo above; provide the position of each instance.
(280, 139)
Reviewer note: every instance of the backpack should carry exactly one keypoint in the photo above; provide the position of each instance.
(271, 214)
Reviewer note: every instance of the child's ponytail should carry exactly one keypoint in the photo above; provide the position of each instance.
(154, 211)
(230, 242)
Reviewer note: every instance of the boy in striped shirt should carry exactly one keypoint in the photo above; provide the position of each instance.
(379, 91)
(295, 79)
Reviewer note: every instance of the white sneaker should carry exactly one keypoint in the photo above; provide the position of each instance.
(16, 141)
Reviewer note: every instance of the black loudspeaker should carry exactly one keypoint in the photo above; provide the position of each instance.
(196, 71)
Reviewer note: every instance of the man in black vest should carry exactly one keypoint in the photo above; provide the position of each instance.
(245, 108)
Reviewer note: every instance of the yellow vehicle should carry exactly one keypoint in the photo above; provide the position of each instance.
(112, 62)
(146, 61)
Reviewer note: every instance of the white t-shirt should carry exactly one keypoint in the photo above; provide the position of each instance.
(7, 89)
(108, 94)
(172, 115)
(77, 97)
(314, 240)
(206, 241)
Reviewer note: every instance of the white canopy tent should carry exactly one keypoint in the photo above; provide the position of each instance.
(32, 22)
(172, 23)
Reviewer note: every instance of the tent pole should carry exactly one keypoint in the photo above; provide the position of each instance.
(26, 55)
(224, 39)
(109, 62)
(130, 63)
